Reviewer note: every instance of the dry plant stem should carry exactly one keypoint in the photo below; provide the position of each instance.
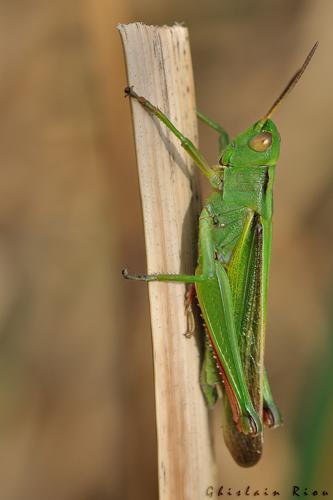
(159, 67)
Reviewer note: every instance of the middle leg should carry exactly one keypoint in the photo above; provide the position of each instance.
(223, 135)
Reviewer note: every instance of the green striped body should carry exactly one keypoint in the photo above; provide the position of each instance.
(235, 243)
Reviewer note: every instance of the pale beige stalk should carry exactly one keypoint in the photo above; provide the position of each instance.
(159, 67)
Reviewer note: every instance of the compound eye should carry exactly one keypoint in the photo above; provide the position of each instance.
(261, 142)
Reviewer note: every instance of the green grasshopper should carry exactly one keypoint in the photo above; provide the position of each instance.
(231, 278)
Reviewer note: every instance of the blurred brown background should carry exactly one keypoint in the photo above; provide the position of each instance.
(76, 390)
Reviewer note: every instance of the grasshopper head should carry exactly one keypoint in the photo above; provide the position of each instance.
(258, 145)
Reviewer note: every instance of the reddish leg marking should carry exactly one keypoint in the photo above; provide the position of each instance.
(190, 294)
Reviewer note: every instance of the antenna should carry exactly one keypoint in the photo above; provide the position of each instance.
(290, 85)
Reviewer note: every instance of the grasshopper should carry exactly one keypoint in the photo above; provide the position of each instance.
(231, 278)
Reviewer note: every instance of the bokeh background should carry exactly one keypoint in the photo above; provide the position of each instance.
(76, 379)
